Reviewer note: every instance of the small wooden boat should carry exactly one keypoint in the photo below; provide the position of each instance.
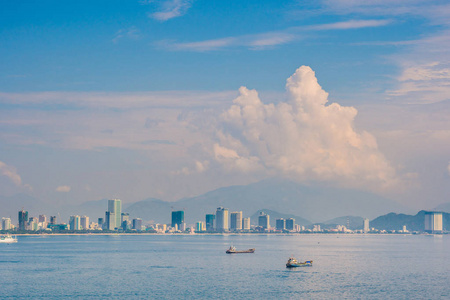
(293, 263)
(232, 250)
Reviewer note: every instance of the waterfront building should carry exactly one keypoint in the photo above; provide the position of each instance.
(161, 227)
(433, 222)
(110, 220)
(53, 220)
(75, 223)
(200, 226)
(84, 222)
(281, 224)
(125, 217)
(115, 207)
(100, 222)
(210, 222)
(33, 223)
(42, 219)
(137, 224)
(366, 226)
(58, 227)
(290, 224)
(222, 219)
(246, 223)
(404, 228)
(23, 219)
(236, 220)
(263, 220)
(177, 218)
(6, 223)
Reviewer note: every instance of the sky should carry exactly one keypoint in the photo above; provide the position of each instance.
(172, 99)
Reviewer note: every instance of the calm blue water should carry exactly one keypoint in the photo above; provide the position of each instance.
(194, 267)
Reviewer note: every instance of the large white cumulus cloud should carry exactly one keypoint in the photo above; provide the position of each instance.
(303, 138)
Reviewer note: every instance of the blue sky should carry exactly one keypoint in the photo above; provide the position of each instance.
(127, 99)
(122, 46)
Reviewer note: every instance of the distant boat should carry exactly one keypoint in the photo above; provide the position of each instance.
(232, 250)
(8, 239)
(293, 263)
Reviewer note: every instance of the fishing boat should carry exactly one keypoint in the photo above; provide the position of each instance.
(232, 250)
(293, 263)
(8, 239)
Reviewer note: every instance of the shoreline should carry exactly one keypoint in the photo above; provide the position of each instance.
(224, 234)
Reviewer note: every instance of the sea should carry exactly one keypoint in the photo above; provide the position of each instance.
(345, 266)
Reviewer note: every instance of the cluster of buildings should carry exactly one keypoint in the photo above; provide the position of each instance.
(221, 221)
(225, 221)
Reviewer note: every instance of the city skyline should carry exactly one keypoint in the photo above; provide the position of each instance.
(173, 99)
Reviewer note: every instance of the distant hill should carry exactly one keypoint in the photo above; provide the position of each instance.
(273, 216)
(314, 203)
(10, 206)
(445, 207)
(394, 221)
(353, 222)
(150, 209)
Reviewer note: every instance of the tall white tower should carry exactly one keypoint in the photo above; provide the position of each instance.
(236, 220)
(115, 207)
(433, 222)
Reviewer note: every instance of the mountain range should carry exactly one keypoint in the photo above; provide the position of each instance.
(312, 203)
(393, 221)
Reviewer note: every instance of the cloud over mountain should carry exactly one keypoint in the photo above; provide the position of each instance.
(304, 138)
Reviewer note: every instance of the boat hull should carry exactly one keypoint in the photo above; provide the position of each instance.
(307, 263)
(238, 252)
(8, 240)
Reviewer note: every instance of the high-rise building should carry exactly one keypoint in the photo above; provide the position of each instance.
(290, 224)
(23, 219)
(210, 222)
(246, 223)
(115, 207)
(110, 220)
(433, 222)
(222, 219)
(42, 219)
(177, 218)
(53, 220)
(263, 220)
(75, 223)
(6, 223)
(137, 224)
(100, 222)
(236, 220)
(84, 222)
(281, 224)
(366, 225)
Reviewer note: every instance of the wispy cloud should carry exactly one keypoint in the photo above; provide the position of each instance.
(131, 33)
(63, 189)
(352, 24)
(11, 173)
(170, 9)
(125, 100)
(270, 39)
(255, 42)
